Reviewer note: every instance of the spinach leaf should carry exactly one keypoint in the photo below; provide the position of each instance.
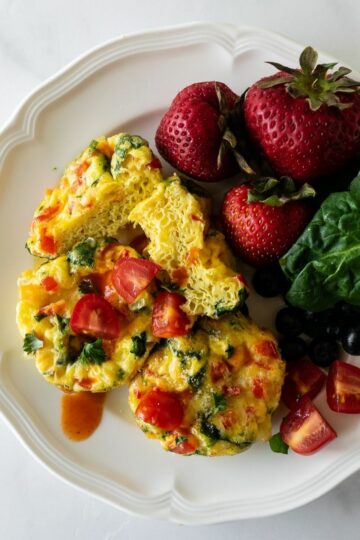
(324, 264)
(219, 403)
(278, 445)
(209, 430)
(138, 346)
(93, 353)
(63, 323)
(32, 343)
(196, 380)
(83, 254)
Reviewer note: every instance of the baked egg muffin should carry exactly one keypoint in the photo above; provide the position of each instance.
(197, 259)
(95, 195)
(212, 392)
(86, 316)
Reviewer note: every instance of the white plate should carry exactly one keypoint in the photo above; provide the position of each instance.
(127, 84)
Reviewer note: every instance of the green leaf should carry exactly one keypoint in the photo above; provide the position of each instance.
(138, 347)
(277, 444)
(308, 59)
(39, 316)
(275, 81)
(83, 254)
(32, 343)
(219, 403)
(93, 353)
(210, 430)
(324, 264)
(230, 351)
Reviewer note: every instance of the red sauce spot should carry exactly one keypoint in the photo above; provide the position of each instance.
(81, 414)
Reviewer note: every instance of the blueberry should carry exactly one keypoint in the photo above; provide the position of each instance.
(351, 340)
(347, 313)
(292, 348)
(315, 323)
(270, 281)
(323, 351)
(289, 321)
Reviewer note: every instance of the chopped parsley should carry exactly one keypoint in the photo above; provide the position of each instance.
(180, 439)
(278, 445)
(219, 403)
(120, 374)
(83, 254)
(196, 380)
(87, 286)
(32, 343)
(93, 353)
(63, 323)
(39, 316)
(124, 144)
(230, 350)
(138, 346)
(209, 430)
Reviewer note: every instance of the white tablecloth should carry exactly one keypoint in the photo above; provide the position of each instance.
(39, 37)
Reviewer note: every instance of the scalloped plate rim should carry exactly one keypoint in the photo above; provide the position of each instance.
(171, 504)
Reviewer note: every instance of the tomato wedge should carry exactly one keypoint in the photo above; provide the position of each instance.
(168, 319)
(161, 409)
(343, 388)
(304, 429)
(302, 378)
(94, 315)
(132, 276)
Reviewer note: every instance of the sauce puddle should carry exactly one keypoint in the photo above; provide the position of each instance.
(81, 414)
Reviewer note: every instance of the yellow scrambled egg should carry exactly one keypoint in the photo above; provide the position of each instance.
(226, 375)
(95, 195)
(47, 298)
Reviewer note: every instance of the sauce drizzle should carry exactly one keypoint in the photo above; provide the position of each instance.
(81, 414)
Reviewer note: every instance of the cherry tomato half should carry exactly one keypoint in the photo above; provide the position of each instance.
(94, 315)
(161, 409)
(132, 276)
(304, 429)
(302, 378)
(168, 319)
(343, 388)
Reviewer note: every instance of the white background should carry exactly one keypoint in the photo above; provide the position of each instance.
(39, 37)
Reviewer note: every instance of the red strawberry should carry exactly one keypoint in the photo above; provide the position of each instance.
(193, 134)
(306, 121)
(261, 233)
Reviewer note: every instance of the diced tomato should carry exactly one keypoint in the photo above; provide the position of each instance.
(194, 217)
(241, 278)
(155, 163)
(46, 214)
(302, 378)
(49, 283)
(82, 167)
(267, 348)
(258, 388)
(231, 389)
(228, 418)
(343, 388)
(168, 319)
(105, 286)
(187, 443)
(304, 429)
(48, 243)
(192, 256)
(55, 308)
(161, 409)
(132, 276)
(95, 316)
(86, 382)
(139, 243)
(218, 370)
(180, 275)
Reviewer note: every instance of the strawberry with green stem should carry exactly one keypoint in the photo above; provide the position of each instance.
(305, 121)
